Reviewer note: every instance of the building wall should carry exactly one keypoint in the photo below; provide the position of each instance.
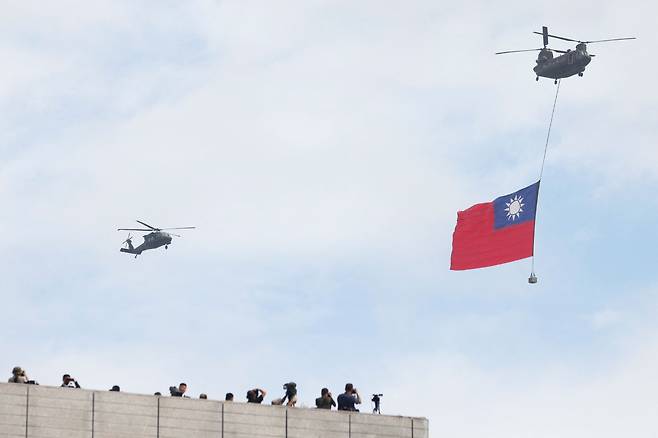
(28, 411)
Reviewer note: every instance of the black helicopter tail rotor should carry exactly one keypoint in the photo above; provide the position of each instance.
(129, 240)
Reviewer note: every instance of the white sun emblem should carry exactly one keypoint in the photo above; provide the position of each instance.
(514, 207)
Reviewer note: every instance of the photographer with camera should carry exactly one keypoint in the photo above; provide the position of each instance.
(325, 401)
(291, 393)
(178, 392)
(256, 395)
(350, 398)
(69, 382)
(18, 376)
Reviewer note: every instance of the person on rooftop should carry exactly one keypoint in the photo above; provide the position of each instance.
(291, 393)
(203, 397)
(256, 395)
(229, 397)
(350, 398)
(69, 382)
(180, 392)
(18, 376)
(325, 401)
(115, 388)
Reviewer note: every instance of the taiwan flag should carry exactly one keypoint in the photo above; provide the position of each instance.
(495, 232)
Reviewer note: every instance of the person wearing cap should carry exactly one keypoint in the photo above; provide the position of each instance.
(18, 376)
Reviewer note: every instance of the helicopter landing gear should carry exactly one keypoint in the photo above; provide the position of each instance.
(537, 79)
(555, 82)
(166, 246)
(580, 74)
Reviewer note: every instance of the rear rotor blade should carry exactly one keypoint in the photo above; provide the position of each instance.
(148, 226)
(611, 39)
(132, 229)
(517, 51)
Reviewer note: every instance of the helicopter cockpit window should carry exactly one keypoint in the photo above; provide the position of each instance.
(544, 56)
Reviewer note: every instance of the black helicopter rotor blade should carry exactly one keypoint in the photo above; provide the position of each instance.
(133, 229)
(179, 228)
(559, 37)
(149, 226)
(517, 51)
(611, 39)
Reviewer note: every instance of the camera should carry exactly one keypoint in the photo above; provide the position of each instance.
(376, 400)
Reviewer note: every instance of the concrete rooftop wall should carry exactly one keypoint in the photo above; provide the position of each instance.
(28, 411)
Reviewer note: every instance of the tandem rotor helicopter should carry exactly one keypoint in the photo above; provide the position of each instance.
(569, 63)
(156, 238)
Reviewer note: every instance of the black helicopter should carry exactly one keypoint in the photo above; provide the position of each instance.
(156, 238)
(569, 63)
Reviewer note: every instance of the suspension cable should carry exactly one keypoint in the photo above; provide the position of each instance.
(541, 174)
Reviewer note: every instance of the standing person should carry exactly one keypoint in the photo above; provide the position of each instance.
(325, 401)
(69, 382)
(229, 397)
(350, 398)
(18, 376)
(256, 395)
(291, 393)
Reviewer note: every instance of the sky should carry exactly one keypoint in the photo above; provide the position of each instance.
(323, 149)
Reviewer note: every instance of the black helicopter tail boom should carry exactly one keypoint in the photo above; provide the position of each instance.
(131, 250)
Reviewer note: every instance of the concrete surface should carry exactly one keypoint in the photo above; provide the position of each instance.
(28, 411)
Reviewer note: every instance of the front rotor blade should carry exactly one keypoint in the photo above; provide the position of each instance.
(149, 226)
(559, 37)
(132, 229)
(516, 51)
(611, 39)
(179, 228)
